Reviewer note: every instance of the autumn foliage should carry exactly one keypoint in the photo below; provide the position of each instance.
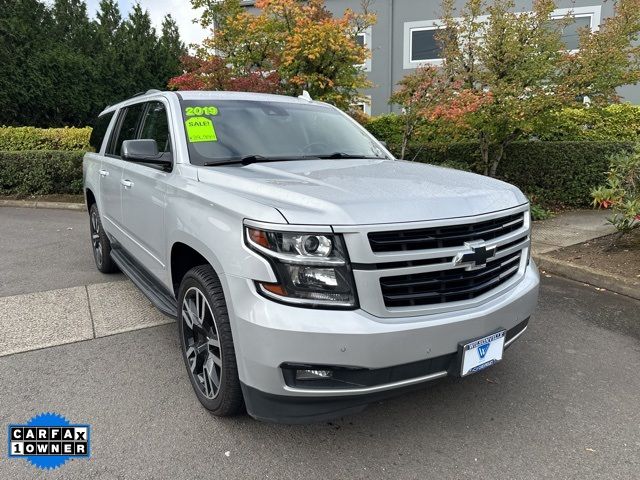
(503, 71)
(287, 47)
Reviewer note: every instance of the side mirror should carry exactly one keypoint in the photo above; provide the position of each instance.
(143, 151)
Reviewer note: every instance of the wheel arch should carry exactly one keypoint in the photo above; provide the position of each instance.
(183, 257)
(90, 198)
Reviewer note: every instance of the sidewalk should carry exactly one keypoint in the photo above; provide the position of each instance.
(572, 228)
(569, 228)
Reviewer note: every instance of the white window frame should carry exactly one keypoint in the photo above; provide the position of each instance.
(365, 104)
(418, 26)
(594, 13)
(366, 34)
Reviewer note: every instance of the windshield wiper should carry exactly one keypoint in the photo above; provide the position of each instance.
(249, 159)
(338, 155)
(254, 158)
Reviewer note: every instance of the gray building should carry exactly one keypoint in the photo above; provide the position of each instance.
(403, 38)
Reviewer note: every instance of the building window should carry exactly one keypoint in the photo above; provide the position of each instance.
(364, 105)
(425, 45)
(580, 17)
(421, 45)
(364, 40)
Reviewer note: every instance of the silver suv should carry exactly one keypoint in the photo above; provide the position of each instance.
(310, 272)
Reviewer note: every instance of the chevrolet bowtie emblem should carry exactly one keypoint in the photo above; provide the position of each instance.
(477, 256)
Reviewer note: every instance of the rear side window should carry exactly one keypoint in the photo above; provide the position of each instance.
(129, 121)
(155, 126)
(100, 130)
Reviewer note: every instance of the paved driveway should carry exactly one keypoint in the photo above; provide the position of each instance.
(563, 404)
(42, 249)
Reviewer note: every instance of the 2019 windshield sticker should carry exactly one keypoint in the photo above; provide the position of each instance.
(200, 129)
(197, 111)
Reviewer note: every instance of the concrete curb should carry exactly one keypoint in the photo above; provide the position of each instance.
(41, 204)
(613, 283)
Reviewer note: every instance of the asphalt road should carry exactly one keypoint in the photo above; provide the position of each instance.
(43, 249)
(564, 404)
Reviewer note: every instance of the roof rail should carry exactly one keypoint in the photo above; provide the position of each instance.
(152, 90)
(305, 96)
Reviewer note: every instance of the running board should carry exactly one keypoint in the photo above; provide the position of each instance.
(156, 293)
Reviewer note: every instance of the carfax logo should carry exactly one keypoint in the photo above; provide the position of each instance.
(48, 440)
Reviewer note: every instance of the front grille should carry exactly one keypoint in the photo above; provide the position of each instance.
(446, 236)
(429, 288)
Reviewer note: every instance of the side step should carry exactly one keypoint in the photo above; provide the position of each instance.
(156, 293)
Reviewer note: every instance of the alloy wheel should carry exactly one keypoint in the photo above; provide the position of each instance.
(95, 237)
(202, 342)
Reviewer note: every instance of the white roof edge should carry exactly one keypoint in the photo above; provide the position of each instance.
(214, 95)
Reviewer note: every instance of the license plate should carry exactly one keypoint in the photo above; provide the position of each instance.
(482, 353)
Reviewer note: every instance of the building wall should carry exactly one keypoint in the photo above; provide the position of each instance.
(393, 29)
(388, 39)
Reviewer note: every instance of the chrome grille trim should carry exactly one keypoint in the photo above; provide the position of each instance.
(368, 280)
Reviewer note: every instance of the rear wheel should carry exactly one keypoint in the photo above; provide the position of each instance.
(207, 343)
(100, 243)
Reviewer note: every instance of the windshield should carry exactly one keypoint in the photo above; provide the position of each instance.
(226, 130)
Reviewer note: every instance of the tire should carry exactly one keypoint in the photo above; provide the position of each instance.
(207, 343)
(100, 243)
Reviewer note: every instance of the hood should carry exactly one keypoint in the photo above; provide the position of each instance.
(352, 192)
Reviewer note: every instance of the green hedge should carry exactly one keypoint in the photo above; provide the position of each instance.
(614, 123)
(618, 122)
(555, 174)
(31, 138)
(39, 172)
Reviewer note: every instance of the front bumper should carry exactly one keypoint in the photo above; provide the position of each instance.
(268, 334)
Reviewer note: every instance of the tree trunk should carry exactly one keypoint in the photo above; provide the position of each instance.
(408, 131)
(484, 151)
(495, 161)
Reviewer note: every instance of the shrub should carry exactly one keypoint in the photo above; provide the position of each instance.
(622, 190)
(31, 138)
(40, 172)
(387, 128)
(538, 212)
(556, 174)
(618, 122)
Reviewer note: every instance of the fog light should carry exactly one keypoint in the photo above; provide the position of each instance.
(313, 374)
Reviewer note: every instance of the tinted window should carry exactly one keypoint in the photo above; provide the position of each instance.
(130, 117)
(425, 45)
(360, 39)
(100, 130)
(221, 130)
(155, 125)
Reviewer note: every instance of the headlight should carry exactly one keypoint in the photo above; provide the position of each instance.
(312, 268)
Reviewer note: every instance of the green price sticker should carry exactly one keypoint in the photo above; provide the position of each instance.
(200, 129)
(197, 111)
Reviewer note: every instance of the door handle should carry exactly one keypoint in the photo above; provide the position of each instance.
(103, 173)
(126, 183)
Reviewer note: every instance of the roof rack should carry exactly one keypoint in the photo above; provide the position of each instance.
(305, 96)
(152, 90)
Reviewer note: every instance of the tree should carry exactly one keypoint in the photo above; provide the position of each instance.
(430, 95)
(61, 68)
(506, 69)
(170, 46)
(213, 73)
(298, 43)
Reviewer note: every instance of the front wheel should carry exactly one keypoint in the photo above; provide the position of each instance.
(100, 243)
(207, 343)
